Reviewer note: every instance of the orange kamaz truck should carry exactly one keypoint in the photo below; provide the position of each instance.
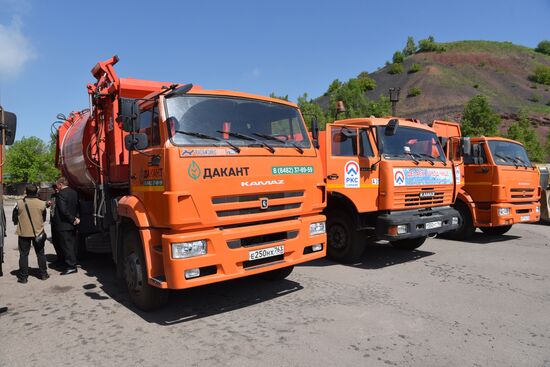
(501, 187)
(387, 179)
(187, 186)
(8, 124)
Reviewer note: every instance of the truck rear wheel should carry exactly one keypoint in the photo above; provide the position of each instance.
(465, 228)
(277, 274)
(143, 295)
(409, 243)
(345, 243)
(495, 231)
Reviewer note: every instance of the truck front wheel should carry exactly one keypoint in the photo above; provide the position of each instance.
(345, 243)
(465, 228)
(408, 243)
(143, 295)
(495, 231)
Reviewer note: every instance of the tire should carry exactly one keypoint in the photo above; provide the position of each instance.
(409, 243)
(465, 228)
(495, 231)
(143, 295)
(277, 274)
(344, 243)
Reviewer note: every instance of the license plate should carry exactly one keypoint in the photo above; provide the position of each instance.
(524, 218)
(432, 225)
(266, 252)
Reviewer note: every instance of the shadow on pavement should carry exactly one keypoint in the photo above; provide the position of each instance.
(484, 239)
(377, 256)
(190, 304)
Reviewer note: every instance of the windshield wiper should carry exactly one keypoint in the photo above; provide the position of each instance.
(522, 161)
(413, 158)
(429, 158)
(270, 137)
(208, 137)
(246, 137)
(508, 158)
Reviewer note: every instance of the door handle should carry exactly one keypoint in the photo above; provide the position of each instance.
(333, 176)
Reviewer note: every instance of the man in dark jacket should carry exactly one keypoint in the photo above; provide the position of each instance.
(64, 221)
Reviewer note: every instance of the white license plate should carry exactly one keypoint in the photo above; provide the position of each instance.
(524, 218)
(432, 225)
(266, 252)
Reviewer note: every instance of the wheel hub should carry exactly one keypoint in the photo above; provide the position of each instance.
(133, 272)
(337, 237)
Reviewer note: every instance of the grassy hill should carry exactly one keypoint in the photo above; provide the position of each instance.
(447, 80)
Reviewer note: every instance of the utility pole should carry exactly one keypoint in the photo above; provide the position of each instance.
(394, 98)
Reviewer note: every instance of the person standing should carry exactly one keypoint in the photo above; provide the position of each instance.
(29, 215)
(60, 257)
(64, 221)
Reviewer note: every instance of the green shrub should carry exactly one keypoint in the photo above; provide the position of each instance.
(479, 118)
(543, 47)
(395, 69)
(398, 57)
(413, 92)
(548, 103)
(415, 68)
(476, 86)
(534, 98)
(429, 45)
(541, 75)
(410, 47)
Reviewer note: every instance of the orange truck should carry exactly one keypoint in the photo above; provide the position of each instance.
(501, 187)
(387, 179)
(187, 186)
(8, 125)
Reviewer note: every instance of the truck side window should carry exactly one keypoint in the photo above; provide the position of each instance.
(149, 124)
(343, 145)
(365, 146)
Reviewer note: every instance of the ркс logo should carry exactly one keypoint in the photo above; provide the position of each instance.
(351, 175)
(194, 170)
(399, 178)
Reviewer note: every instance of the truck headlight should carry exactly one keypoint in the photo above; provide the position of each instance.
(317, 228)
(503, 211)
(402, 229)
(454, 221)
(537, 209)
(182, 250)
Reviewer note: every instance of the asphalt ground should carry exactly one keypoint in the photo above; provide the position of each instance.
(485, 302)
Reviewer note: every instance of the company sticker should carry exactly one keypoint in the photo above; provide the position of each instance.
(195, 172)
(351, 175)
(457, 175)
(422, 176)
(291, 170)
(199, 152)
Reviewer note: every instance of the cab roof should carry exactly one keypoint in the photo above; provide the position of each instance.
(477, 139)
(382, 121)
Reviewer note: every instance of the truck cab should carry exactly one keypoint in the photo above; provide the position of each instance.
(387, 179)
(501, 186)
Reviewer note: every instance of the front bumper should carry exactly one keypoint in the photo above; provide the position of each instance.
(519, 213)
(228, 251)
(415, 220)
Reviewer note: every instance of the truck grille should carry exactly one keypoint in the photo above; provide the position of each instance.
(231, 206)
(427, 196)
(522, 193)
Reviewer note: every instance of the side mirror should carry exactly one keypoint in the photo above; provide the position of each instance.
(136, 141)
(127, 114)
(10, 126)
(391, 127)
(180, 91)
(466, 144)
(315, 132)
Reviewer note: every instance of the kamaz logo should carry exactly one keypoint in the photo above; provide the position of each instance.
(262, 183)
(427, 194)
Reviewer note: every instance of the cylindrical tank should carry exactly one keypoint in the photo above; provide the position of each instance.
(75, 148)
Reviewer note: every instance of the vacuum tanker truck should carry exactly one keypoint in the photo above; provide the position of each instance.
(187, 186)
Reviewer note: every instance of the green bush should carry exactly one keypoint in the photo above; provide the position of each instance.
(541, 75)
(415, 68)
(398, 57)
(543, 47)
(413, 92)
(395, 69)
(523, 131)
(534, 98)
(476, 86)
(410, 47)
(429, 45)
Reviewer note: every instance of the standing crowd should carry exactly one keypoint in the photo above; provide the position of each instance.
(29, 216)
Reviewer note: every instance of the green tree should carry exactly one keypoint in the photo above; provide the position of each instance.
(366, 82)
(398, 57)
(30, 160)
(429, 45)
(273, 95)
(395, 69)
(522, 131)
(541, 75)
(410, 47)
(333, 86)
(479, 118)
(352, 94)
(309, 110)
(543, 47)
(379, 108)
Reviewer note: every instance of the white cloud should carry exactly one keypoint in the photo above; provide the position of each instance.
(15, 48)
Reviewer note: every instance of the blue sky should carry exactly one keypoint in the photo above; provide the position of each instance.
(47, 48)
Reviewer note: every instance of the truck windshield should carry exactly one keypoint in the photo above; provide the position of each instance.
(506, 153)
(213, 120)
(417, 144)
